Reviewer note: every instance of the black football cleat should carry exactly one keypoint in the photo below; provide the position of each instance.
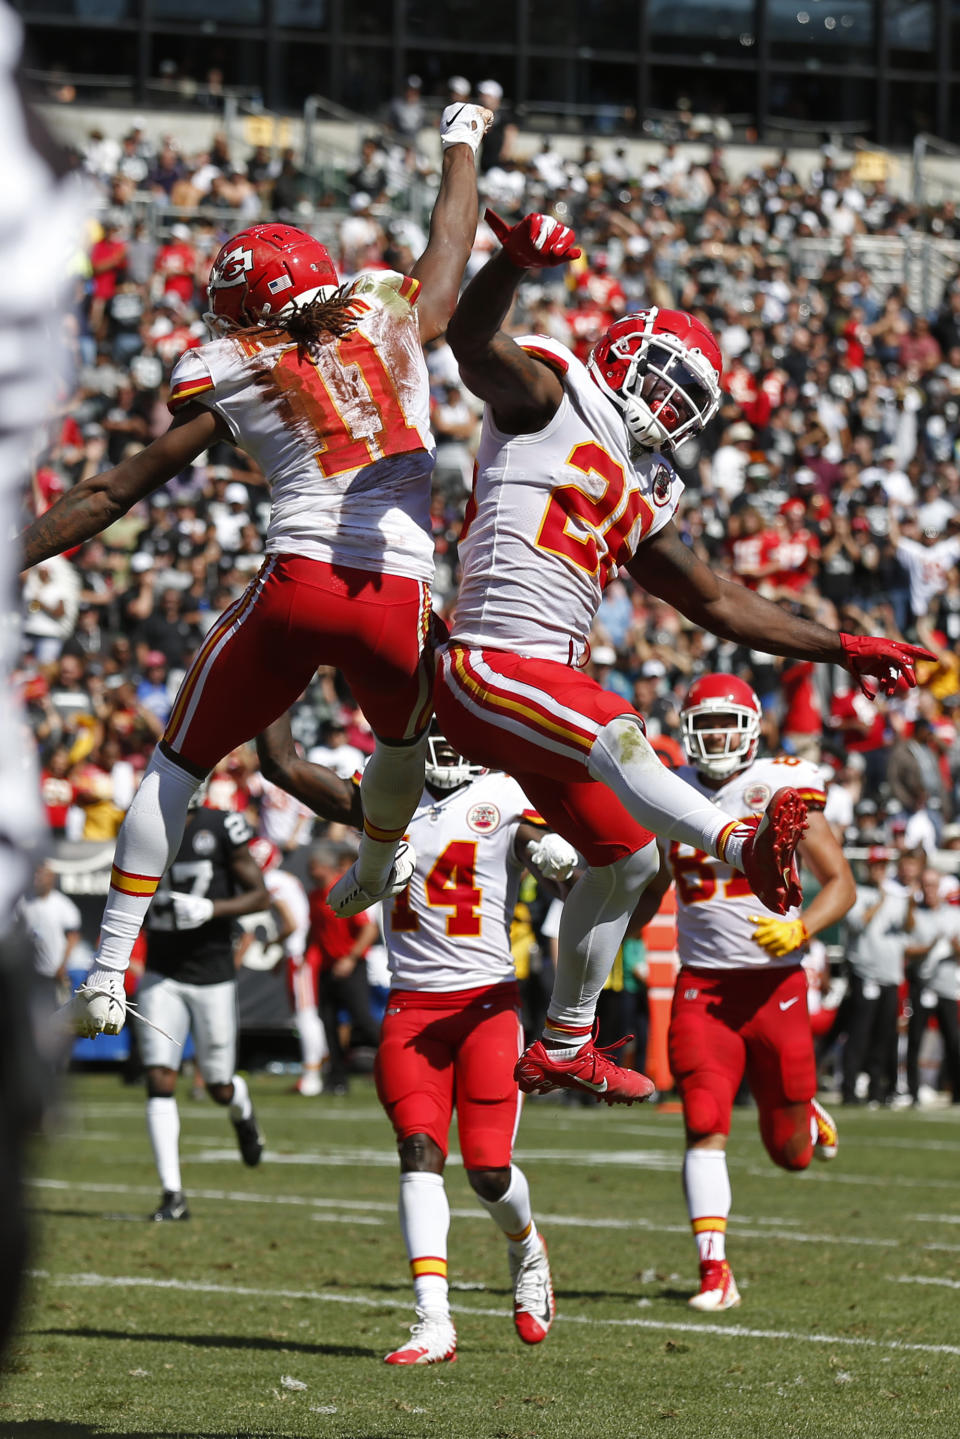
(249, 1139)
(173, 1205)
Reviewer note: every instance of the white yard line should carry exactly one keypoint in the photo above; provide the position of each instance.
(705, 1330)
(350, 1211)
(926, 1279)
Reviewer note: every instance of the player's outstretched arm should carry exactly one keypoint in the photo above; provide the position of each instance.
(453, 224)
(670, 570)
(330, 797)
(824, 858)
(523, 393)
(95, 503)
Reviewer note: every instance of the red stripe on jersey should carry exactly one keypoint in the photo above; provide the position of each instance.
(556, 362)
(187, 390)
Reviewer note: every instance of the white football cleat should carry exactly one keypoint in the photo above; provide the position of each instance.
(433, 1340)
(717, 1288)
(533, 1303)
(99, 1005)
(310, 1084)
(348, 897)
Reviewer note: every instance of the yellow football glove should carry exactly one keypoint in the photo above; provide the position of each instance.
(778, 936)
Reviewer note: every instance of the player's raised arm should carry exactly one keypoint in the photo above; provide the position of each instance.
(330, 797)
(453, 224)
(523, 393)
(93, 504)
(670, 570)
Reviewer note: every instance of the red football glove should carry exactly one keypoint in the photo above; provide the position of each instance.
(883, 660)
(535, 242)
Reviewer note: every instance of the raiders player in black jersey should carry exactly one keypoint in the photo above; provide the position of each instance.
(189, 986)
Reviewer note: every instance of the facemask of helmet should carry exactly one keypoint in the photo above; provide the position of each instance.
(661, 368)
(720, 738)
(445, 769)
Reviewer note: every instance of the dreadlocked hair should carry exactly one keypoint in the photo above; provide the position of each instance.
(309, 323)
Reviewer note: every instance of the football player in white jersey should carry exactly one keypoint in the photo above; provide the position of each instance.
(572, 485)
(740, 1003)
(325, 386)
(451, 1034)
(291, 907)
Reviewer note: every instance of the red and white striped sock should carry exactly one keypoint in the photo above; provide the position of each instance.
(424, 1223)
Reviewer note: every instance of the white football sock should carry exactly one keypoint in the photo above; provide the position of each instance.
(240, 1105)
(623, 759)
(163, 1127)
(595, 916)
(148, 839)
(313, 1036)
(706, 1186)
(514, 1216)
(424, 1223)
(390, 790)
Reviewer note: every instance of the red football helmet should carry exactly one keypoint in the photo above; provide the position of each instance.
(265, 853)
(720, 724)
(266, 272)
(661, 368)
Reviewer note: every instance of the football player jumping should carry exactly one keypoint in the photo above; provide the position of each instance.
(325, 387)
(740, 1003)
(451, 1034)
(571, 487)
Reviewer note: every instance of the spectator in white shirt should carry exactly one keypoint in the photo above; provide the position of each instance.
(53, 923)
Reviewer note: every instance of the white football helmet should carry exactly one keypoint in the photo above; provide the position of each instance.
(445, 769)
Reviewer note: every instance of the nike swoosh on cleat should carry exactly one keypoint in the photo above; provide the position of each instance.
(597, 1088)
(786, 1003)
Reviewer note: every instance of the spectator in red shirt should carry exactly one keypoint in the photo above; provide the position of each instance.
(175, 265)
(108, 263)
(753, 552)
(798, 549)
(56, 790)
(919, 350)
(802, 722)
(597, 284)
(340, 946)
(754, 400)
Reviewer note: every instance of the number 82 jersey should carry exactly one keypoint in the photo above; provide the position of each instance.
(714, 900)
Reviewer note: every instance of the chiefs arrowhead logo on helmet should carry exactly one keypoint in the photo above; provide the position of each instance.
(661, 368)
(720, 725)
(254, 267)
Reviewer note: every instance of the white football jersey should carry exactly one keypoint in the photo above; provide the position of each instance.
(714, 900)
(285, 888)
(342, 436)
(450, 928)
(552, 519)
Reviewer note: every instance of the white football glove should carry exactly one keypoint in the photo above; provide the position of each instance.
(552, 856)
(99, 1005)
(462, 124)
(190, 910)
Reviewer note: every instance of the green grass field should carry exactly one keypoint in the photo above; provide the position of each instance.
(295, 1271)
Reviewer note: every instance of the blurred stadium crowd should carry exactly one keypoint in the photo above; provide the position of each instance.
(830, 480)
